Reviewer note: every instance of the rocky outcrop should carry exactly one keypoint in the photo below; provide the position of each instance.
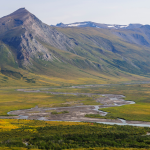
(28, 47)
(25, 32)
(46, 33)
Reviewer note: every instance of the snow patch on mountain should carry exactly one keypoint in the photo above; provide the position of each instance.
(111, 26)
(99, 25)
(117, 26)
(75, 25)
(124, 26)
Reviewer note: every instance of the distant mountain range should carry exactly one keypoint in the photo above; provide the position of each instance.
(32, 52)
(99, 25)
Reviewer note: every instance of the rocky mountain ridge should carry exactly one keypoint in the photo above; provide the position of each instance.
(96, 51)
(23, 31)
(98, 25)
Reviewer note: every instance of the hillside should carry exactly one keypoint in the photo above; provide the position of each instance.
(33, 53)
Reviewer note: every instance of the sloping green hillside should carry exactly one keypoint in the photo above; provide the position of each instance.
(33, 53)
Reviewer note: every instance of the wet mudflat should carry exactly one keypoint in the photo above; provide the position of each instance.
(77, 113)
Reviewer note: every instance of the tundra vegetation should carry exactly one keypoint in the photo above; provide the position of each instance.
(139, 93)
(67, 135)
(32, 134)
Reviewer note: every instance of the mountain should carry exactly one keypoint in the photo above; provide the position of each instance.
(23, 31)
(34, 53)
(99, 25)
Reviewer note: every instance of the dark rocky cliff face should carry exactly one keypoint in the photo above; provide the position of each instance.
(23, 31)
(27, 47)
(46, 33)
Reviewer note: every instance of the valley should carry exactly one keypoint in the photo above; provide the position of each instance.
(78, 105)
(64, 110)
(74, 113)
(82, 85)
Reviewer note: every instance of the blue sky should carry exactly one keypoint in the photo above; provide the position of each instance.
(69, 11)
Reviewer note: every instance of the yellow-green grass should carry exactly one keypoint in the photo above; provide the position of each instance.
(84, 77)
(14, 100)
(10, 124)
(11, 99)
(65, 75)
(138, 93)
(140, 112)
(43, 80)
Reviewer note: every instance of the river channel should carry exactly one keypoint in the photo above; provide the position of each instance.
(77, 113)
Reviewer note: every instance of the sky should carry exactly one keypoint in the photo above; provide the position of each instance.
(51, 12)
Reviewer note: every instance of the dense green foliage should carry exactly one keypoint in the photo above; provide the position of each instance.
(57, 137)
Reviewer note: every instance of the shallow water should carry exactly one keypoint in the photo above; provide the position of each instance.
(103, 112)
(113, 123)
(23, 117)
(124, 122)
(96, 107)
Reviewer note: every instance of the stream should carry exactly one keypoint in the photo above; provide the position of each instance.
(107, 100)
(96, 108)
(124, 122)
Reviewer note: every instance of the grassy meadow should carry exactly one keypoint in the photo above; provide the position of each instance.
(11, 99)
(37, 135)
(139, 93)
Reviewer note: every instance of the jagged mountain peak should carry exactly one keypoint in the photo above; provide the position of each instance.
(20, 11)
(14, 19)
(24, 32)
(18, 14)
